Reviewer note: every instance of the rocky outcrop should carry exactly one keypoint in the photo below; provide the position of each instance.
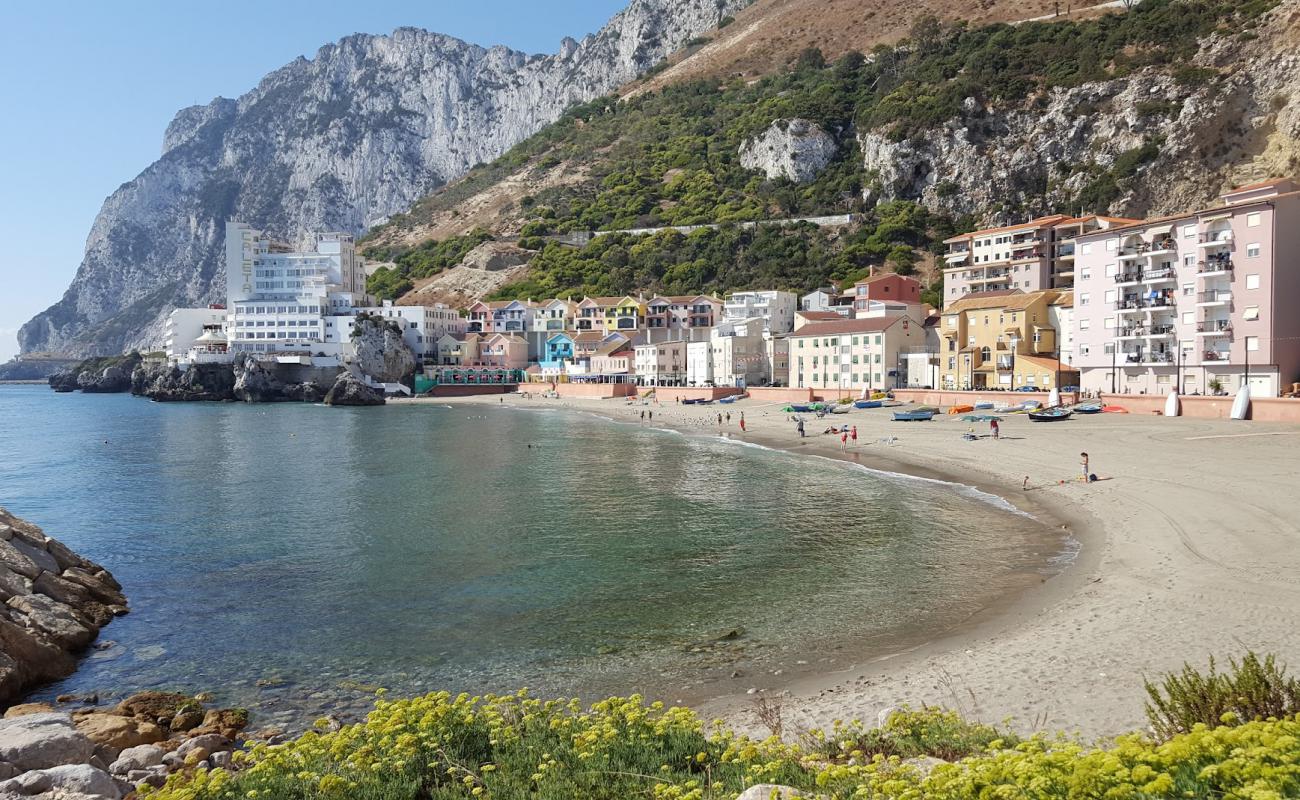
(55, 602)
(97, 375)
(169, 383)
(1005, 164)
(795, 149)
(340, 141)
(350, 390)
(381, 352)
(107, 752)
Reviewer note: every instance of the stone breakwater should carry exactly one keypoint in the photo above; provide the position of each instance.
(55, 602)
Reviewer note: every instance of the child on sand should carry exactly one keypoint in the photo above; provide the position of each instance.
(1083, 462)
(853, 434)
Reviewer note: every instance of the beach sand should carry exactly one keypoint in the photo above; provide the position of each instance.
(1190, 547)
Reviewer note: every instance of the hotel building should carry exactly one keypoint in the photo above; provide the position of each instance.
(1198, 300)
(850, 355)
(1002, 340)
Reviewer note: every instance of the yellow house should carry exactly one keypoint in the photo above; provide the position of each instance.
(625, 316)
(1001, 340)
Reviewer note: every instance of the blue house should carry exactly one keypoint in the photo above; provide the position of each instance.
(558, 351)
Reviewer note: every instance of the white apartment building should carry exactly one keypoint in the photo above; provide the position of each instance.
(663, 364)
(185, 326)
(699, 363)
(853, 354)
(776, 309)
(286, 302)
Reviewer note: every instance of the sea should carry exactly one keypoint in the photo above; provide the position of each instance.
(294, 558)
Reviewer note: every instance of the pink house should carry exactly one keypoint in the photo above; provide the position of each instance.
(681, 318)
(502, 351)
(1199, 300)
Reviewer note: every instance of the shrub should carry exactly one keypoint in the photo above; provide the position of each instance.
(1253, 689)
(908, 734)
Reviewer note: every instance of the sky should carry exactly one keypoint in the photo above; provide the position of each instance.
(90, 86)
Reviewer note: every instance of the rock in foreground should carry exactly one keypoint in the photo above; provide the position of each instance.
(55, 602)
(349, 390)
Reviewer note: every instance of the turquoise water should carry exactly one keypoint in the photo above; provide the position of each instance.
(289, 557)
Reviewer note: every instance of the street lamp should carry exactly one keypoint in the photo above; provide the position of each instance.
(1015, 344)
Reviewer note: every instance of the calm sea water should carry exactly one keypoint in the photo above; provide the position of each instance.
(291, 557)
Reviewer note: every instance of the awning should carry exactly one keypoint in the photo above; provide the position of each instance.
(1158, 230)
(1216, 217)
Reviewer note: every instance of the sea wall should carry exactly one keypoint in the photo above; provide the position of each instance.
(671, 394)
(596, 390)
(944, 398)
(1262, 409)
(780, 394)
(55, 602)
(470, 390)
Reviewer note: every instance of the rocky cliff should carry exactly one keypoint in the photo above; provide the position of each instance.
(337, 142)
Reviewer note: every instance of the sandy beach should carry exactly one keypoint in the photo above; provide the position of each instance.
(1190, 547)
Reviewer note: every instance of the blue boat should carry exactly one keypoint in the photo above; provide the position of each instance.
(983, 406)
(913, 416)
(867, 403)
(1088, 408)
(690, 401)
(731, 398)
(1050, 415)
(800, 409)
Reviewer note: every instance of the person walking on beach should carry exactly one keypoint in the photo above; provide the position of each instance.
(719, 419)
(799, 427)
(1083, 462)
(643, 415)
(652, 416)
(728, 417)
(853, 434)
(993, 426)
(742, 423)
(844, 440)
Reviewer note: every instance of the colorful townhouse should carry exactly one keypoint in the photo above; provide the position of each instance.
(1033, 256)
(662, 364)
(1199, 301)
(506, 351)
(1002, 340)
(885, 288)
(624, 314)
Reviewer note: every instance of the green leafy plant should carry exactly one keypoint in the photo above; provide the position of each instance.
(1252, 689)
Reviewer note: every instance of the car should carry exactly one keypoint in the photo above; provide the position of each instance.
(1026, 389)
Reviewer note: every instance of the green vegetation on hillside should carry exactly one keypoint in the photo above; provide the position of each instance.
(671, 157)
(422, 261)
(439, 747)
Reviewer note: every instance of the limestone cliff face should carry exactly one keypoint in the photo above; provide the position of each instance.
(381, 352)
(796, 149)
(1000, 164)
(337, 142)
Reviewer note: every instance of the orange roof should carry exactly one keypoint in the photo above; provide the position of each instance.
(819, 316)
(1188, 214)
(1039, 222)
(869, 325)
(1251, 186)
(884, 275)
(1047, 363)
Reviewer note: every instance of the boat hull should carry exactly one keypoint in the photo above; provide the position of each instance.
(913, 416)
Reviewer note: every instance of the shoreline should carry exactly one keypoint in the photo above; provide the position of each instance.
(1071, 652)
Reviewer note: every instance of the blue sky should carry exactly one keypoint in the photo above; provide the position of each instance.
(88, 88)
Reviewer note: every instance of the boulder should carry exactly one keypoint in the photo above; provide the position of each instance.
(60, 623)
(95, 586)
(33, 656)
(65, 380)
(12, 583)
(107, 375)
(349, 390)
(207, 743)
(154, 777)
(770, 791)
(23, 709)
(37, 741)
(65, 558)
(186, 720)
(15, 560)
(139, 757)
(38, 555)
(255, 382)
(381, 352)
(84, 779)
(923, 764)
(117, 731)
(33, 782)
(169, 383)
(156, 707)
(795, 149)
(64, 591)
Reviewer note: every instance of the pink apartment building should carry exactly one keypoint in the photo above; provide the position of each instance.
(1196, 300)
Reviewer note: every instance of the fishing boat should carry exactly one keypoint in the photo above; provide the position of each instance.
(731, 398)
(914, 416)
(800, 408)
(1050, 415)
(955, 410)
(867, 403)
(934, 409)
(1088, 408)
(890, 403)
(690, 401)
(1114, 409)
(983, 406)
(841, 409)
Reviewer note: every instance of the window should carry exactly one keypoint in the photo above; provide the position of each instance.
(1189, 317)
(1189, 231)
(1189, 289)
(1252, 250)
(1162, 378)
(1110, 296)
(1111, 269)
(1083, 350)
(1083, 299)
(1084, 324)
(1189, 261)
(1252, 343)
(1108, 323)
(1111, 244)
(1108, 349)
(1085, 248)
(1085, 275)
(1253, 219)
(1252, 281)
(1250, 313)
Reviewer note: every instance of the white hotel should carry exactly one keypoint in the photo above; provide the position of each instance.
(287, 302)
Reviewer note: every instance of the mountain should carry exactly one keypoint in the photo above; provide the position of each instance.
(1126, 111)
(337, 142)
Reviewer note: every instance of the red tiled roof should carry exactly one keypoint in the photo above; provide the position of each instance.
(869, 325)
(1039, 222)
(820, 316)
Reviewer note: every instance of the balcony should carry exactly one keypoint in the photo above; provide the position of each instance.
(1213, 267)
(1033, 255)
(1216, 298)
(1161, 275)
(1215, 239)
(1214, 327)
(1214, 355)
(1128, 278)
(1148, 358)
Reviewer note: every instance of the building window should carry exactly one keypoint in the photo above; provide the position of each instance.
(1252, 281)
(1189, 260)
(1252, 343)
(1108, 349)
(1085, 248)
(1250, 313)
(1110, 296)
(1083, 299)
(1252, 250)
(1111, 270)
(1189, 289)
(1189, 317)
(1085, 275)
(1253, 219)
(1189, 231)
(1083, 350)
(1107, 323)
